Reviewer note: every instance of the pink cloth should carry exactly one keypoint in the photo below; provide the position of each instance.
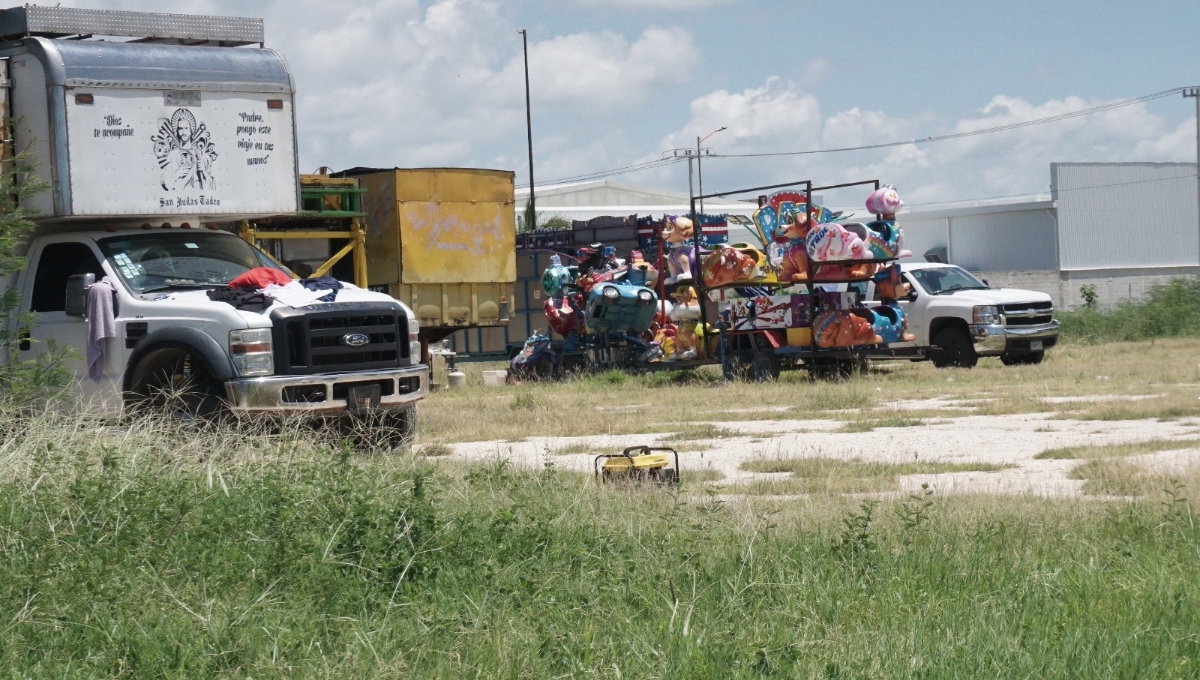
(101, 325)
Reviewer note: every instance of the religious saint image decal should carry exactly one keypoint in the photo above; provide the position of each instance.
(185, 152)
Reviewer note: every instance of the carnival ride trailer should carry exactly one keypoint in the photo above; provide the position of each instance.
(148, 129)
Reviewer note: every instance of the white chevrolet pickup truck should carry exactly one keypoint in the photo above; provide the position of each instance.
(964, 318)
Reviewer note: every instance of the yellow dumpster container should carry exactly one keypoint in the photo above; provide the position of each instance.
(443, 240)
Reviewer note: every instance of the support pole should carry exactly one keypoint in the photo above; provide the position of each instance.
(529, 131)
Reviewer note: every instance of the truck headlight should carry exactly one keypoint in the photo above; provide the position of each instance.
(414, 327)
(251, 351)
(985, 315)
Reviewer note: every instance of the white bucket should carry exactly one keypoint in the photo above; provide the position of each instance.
(495, 378)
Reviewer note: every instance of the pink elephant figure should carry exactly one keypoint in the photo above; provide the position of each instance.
(834, 241)
(884, 201)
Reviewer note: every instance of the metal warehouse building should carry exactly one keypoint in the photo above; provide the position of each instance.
(1120, 227)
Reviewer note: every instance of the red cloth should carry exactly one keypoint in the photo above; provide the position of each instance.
(261, 277)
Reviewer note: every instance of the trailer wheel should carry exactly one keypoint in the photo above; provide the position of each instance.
(764, 367)
(735, 365)
(956, 349)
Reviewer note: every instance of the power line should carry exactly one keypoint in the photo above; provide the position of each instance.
(649, 165)
(973, 133)
(637, 167)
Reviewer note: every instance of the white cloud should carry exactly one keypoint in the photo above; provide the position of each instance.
(653, 4)
(589, 68)
(778, 117)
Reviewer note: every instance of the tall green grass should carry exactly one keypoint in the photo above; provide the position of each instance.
(1170, 310)
(126, 559)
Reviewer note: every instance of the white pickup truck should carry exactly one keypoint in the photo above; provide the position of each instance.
(965, 319)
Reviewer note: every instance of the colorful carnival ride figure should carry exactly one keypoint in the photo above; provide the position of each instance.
(677, 232)
(685, 314)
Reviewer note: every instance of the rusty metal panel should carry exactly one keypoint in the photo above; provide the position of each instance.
(456, 304)
(457, 242)
(383, 233)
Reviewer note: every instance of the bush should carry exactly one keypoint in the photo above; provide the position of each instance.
(1170, 310)
(21, 380)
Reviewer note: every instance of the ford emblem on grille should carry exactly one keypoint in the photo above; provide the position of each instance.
(356, 339)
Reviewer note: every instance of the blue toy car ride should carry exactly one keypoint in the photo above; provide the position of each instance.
(620, 307)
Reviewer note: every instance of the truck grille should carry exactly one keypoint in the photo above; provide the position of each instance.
(1028, 313)
(315, 340)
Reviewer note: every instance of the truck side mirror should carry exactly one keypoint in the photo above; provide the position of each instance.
(77, 293)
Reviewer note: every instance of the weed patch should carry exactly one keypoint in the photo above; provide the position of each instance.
(1117, 450)
(888, 421)
(835, 475)
(701, 432)
(436, 450)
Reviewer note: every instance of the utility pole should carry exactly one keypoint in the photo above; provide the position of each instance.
(1194, 93)
(532, 214)
(699, 172)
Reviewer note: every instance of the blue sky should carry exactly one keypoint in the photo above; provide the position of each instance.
(616, 82)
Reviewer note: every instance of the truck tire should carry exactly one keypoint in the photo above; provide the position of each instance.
(956, 349)
(1025, 359)
(764, 367)
(178, 382)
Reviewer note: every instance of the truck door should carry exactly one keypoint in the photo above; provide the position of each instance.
(45, 296)
(915, 310)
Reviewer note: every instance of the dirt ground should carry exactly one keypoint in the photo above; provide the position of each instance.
(1008, 441)
(993, 429)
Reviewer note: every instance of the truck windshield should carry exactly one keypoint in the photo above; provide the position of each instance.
(946, 280)
(172, 260)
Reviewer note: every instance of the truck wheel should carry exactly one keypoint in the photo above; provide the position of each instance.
(178, 382)
(763, 367)
(956, 349)
(402, 426)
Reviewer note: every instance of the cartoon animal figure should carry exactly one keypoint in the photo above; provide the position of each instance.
(891, 324)
(557, 276)
(890, 284)
(833, 242)
(798, 227)
(641, 272)
(795, 264)
(685, 313)
(845, 328)
(884, 201)
(732, 264)
(682, 258)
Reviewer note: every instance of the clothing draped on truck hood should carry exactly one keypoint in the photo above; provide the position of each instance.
(241, 298)
(261, 277)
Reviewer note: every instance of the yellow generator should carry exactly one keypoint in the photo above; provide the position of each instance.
(639, 464)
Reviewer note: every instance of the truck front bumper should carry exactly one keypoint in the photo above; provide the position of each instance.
(325, 394)
(991, 340)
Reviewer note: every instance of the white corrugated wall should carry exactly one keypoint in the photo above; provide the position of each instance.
(1126, 215)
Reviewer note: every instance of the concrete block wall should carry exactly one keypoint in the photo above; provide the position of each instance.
(1112, 285)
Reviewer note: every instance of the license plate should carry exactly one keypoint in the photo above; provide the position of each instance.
(1035, 345)
(362, 399)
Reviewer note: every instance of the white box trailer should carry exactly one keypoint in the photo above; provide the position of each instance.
(159, 126)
